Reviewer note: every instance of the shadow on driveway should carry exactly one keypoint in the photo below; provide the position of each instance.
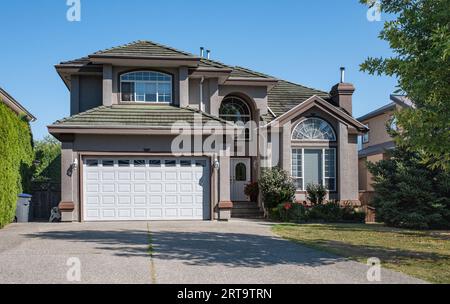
(198, 248)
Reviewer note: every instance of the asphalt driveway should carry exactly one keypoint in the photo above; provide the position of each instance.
(183, 252)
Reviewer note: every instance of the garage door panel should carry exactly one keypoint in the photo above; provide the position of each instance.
(124, 188)
(108, 200)
(140, 176)
(140, 188)
(146, 189)
(156, 176)
(171, 187)
(139, 200)
(108, 176)
(93, 200)
(156, 200)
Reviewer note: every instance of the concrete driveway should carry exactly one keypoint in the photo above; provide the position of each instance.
(184, 252)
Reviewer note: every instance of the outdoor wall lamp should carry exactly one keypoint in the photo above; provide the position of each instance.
(216, 164)
(72, 167)
(75, 164)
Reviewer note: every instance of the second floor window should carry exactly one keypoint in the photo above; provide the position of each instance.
(146, 86)
(365, 137)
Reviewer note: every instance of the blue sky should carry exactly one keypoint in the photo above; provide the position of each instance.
(301, 41)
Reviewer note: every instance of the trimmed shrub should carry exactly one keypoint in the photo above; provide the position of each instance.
(16, 158)
(276, 187)
(316, 194)
(331, 212)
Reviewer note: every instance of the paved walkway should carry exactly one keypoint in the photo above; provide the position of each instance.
(184, 252)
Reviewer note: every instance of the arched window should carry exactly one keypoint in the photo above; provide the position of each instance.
(314, 129)
(146, 86)
(241, 172)
(235, 110)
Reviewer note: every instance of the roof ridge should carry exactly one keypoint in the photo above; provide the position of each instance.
(145, 42)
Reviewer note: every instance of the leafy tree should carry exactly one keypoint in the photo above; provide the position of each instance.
(409, 193)
(276, 187)
(47, 160)
(419, 36)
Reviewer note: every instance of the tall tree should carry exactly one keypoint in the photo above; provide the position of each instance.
(419, 36)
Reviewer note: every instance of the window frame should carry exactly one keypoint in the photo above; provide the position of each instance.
(293, 138)
(153, 82)
(366, 136)
(246, 132)
(324, 176)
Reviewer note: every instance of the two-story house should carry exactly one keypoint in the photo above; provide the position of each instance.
(160, 134)
(377, 142)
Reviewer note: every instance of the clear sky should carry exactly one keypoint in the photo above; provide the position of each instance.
(303, 41)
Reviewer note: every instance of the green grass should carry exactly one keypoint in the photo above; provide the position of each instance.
(421, 254)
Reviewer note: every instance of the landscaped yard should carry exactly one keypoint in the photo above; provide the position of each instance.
(422, 254)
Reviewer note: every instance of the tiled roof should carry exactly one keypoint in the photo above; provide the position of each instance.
(144, 49)
(286, 95)
(139, 116)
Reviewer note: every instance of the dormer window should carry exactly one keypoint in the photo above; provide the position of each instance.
(146, 86)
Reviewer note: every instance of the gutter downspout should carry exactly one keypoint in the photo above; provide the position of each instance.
(202, 106)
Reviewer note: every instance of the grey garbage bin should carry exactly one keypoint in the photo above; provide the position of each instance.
(23, 208)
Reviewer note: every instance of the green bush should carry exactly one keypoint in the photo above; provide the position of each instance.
(316, 193)
(16, 155)
(276, 187)
(408, 194)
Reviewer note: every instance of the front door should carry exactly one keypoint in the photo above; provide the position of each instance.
(240, 177)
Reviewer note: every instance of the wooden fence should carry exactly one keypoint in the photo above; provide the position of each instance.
(366, 199)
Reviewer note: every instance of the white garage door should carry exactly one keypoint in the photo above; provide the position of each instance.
(128, 189)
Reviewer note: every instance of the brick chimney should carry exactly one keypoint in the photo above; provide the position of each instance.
(342, 94)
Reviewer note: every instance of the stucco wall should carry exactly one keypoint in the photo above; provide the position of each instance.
(365, 177)
(378, 133)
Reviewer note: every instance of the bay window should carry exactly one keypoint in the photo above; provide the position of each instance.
(313, 163)
(314, 166)
(146, 86)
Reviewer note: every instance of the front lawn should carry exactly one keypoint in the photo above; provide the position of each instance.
(425, 255)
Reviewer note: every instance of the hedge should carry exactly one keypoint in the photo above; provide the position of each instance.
(16, 158)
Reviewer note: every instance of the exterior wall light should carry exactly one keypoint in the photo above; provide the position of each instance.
(216, 164)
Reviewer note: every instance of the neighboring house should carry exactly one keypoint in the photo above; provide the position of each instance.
(118, 158)
(377, 142)
(15, 106)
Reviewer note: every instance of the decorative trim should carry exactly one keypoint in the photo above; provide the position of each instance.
(225, 205)
(66, 206)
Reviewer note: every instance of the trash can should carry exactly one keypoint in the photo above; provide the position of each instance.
(23, 208)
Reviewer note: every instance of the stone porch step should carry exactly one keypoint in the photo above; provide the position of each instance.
(246, 210)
